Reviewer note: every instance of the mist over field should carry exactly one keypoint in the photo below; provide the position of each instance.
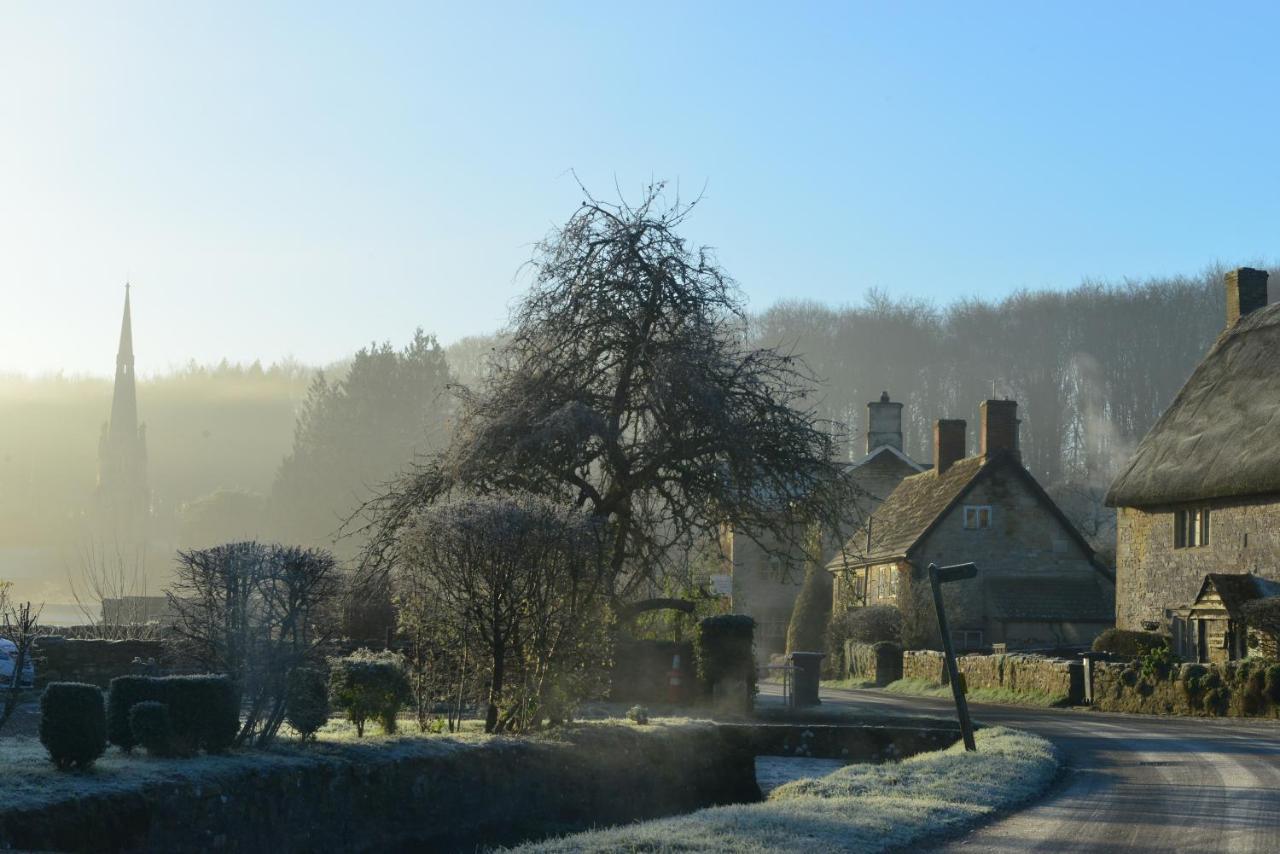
(289, 451)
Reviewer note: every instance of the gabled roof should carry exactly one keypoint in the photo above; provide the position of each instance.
(887, 449)
(1235, 589)
(921, 501)
(1218, 439)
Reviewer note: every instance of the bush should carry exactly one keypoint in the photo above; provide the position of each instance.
(1193, 676)
(204, 711)
(307, 701)
(1158, 663)
(638, 715)
(725, 650)
(872, 624)
(1127, 643)
(367, 685)
(1272, 685)
(149, 721)
(73, 724)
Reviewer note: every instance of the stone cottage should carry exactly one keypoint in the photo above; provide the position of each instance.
(1039, 583)
(764, 583)
(1199, 502)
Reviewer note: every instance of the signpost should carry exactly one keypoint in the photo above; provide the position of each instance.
(938, 576)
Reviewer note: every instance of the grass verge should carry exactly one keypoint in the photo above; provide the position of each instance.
(857, 808)
(848, 683)
(921, 688)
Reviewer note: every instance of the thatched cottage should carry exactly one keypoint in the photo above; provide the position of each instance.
(1198, 506)
(765, 585)
(1038, 585)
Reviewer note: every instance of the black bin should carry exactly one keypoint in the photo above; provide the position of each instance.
(806, 677)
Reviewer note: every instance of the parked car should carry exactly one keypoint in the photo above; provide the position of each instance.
(9, 660)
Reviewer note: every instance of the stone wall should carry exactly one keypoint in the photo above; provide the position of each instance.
(1152, 576)
(876, 662)
(406, 797)
(1055, 677)
(1237, 689)
(97, 662)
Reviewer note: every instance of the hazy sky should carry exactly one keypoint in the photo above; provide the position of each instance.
(304, 178)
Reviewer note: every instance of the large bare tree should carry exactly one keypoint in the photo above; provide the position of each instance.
(627, 387)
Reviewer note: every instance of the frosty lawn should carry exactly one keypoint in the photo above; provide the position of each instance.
(921, 688)
(857, 808)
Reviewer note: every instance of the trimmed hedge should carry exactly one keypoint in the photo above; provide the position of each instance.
(367, 685)
(204, 711)
(307, 701)
(725, 650)
(1128, 643)
(73, 724)
(149, 721)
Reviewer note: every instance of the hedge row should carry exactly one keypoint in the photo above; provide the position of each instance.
(203, 711)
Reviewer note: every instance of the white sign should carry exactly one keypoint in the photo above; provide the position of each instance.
(722, 585)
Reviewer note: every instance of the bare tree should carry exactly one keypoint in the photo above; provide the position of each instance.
(255, 612)
(111, 581)
(18, 624)
(626, 386)
(523, 576)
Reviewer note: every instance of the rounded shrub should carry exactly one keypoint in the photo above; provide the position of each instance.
(124, 693)
(1128, 643)
(369, 686)
(204, 710)
(149, 721)
(73, 724)
(307, 701)
(638, 715)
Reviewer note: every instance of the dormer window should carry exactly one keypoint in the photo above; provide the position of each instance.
(977, 517)
(1191, 528)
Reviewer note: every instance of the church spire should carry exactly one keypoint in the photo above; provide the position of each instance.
(124, 400)
(123, 493)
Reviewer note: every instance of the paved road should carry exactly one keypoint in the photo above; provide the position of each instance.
(1132, 782)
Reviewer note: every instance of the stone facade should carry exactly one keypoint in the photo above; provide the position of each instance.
(1031, 674)
(880, 663)
(1154, 579)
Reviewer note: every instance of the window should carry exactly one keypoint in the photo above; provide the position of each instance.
(1191, 528)
(859, 586)
(966, 638)
(886, 581)
(977, 517)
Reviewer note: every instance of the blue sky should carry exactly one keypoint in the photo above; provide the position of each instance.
(304, 178)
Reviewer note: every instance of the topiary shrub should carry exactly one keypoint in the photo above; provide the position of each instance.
(124, 693)
(1128, 643)
(73, 724)
(149, 721)
(638, 715)
(725, 650)
(307, 701)
(369, 685)
(204, 711)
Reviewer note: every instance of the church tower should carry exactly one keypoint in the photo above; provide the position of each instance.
(124, 498)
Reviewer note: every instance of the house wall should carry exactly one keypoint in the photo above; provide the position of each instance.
(1152, 577)
(1025, 540)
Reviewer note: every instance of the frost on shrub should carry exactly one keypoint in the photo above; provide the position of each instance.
(150, 725)
(73, 724)
(307, 705)
(638, 715)
(1128, 643)
(369, 686)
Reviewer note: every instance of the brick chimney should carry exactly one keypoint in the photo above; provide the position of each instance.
(948, 443)
(1246, 292)
(999, 427)
(884, 423)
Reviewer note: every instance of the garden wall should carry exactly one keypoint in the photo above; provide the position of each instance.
(1238, 689)
(408, 796)
(60, 659)
(1056, 677)
(875, 662)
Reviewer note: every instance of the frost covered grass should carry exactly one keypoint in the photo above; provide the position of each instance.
(857, 808)
(848, 683)
(921, 688)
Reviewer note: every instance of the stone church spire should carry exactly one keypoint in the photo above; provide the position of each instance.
(124, 497)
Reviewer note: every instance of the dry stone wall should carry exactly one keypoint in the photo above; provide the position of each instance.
(1249, 688)
(96, 662)
(1034, 674)
(875, 662)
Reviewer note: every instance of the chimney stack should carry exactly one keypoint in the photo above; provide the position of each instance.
(948, 443)
(884, 423)
(999, 427)
(1246, 292)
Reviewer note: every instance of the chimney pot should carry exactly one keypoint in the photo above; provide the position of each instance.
(999, 428)
(948, 443)
(884, 423)
(1246, 292)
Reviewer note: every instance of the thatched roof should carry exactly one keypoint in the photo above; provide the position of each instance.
(921, 501)
(1218, 439)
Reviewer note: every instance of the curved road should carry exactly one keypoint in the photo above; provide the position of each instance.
(1131, 782)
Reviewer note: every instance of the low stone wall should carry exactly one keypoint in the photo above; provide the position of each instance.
(407, 796)
(60, 659)
(881, 663)
(834, 741)
(1236, 689)
(1056, 677)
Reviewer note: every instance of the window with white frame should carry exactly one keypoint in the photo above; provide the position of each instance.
(977, 517)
